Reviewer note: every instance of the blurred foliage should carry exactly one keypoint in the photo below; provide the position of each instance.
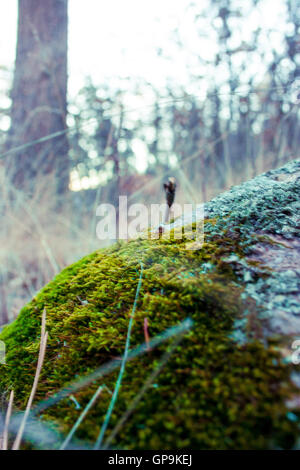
(237, 117)
(228, 128)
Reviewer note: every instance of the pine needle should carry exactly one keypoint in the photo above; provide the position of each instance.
(122, 368)
(112, 365)
(81, 417)
(143, 390)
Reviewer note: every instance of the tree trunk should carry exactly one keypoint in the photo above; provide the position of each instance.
(39, 95)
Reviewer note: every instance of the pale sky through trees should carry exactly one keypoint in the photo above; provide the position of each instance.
(115, 39)
(118, 38)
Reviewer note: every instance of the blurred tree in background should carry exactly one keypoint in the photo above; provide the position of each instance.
(227, 128)
(39, 94)
(237, 116)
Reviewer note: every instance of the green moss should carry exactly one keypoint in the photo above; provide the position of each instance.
(213, 393)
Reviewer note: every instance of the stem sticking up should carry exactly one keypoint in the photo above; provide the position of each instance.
(170, 189)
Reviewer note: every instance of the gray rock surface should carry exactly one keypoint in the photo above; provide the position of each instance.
(265, 214)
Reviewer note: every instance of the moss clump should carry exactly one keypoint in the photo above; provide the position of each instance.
(212, 394)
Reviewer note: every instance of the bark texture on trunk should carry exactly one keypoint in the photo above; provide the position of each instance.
(39, 94)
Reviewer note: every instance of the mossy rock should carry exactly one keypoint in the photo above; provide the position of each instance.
(213, 393)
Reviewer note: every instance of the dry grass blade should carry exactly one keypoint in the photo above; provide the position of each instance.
(81, 417)
(7, 420)
(43, 344)
(122, 368)
(141, 393)
(112, 365)
(41, 434)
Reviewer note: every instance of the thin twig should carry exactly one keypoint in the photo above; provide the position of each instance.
(43, 344)
(146, 333)
(7, 420)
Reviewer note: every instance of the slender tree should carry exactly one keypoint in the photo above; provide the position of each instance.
(39, 92)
